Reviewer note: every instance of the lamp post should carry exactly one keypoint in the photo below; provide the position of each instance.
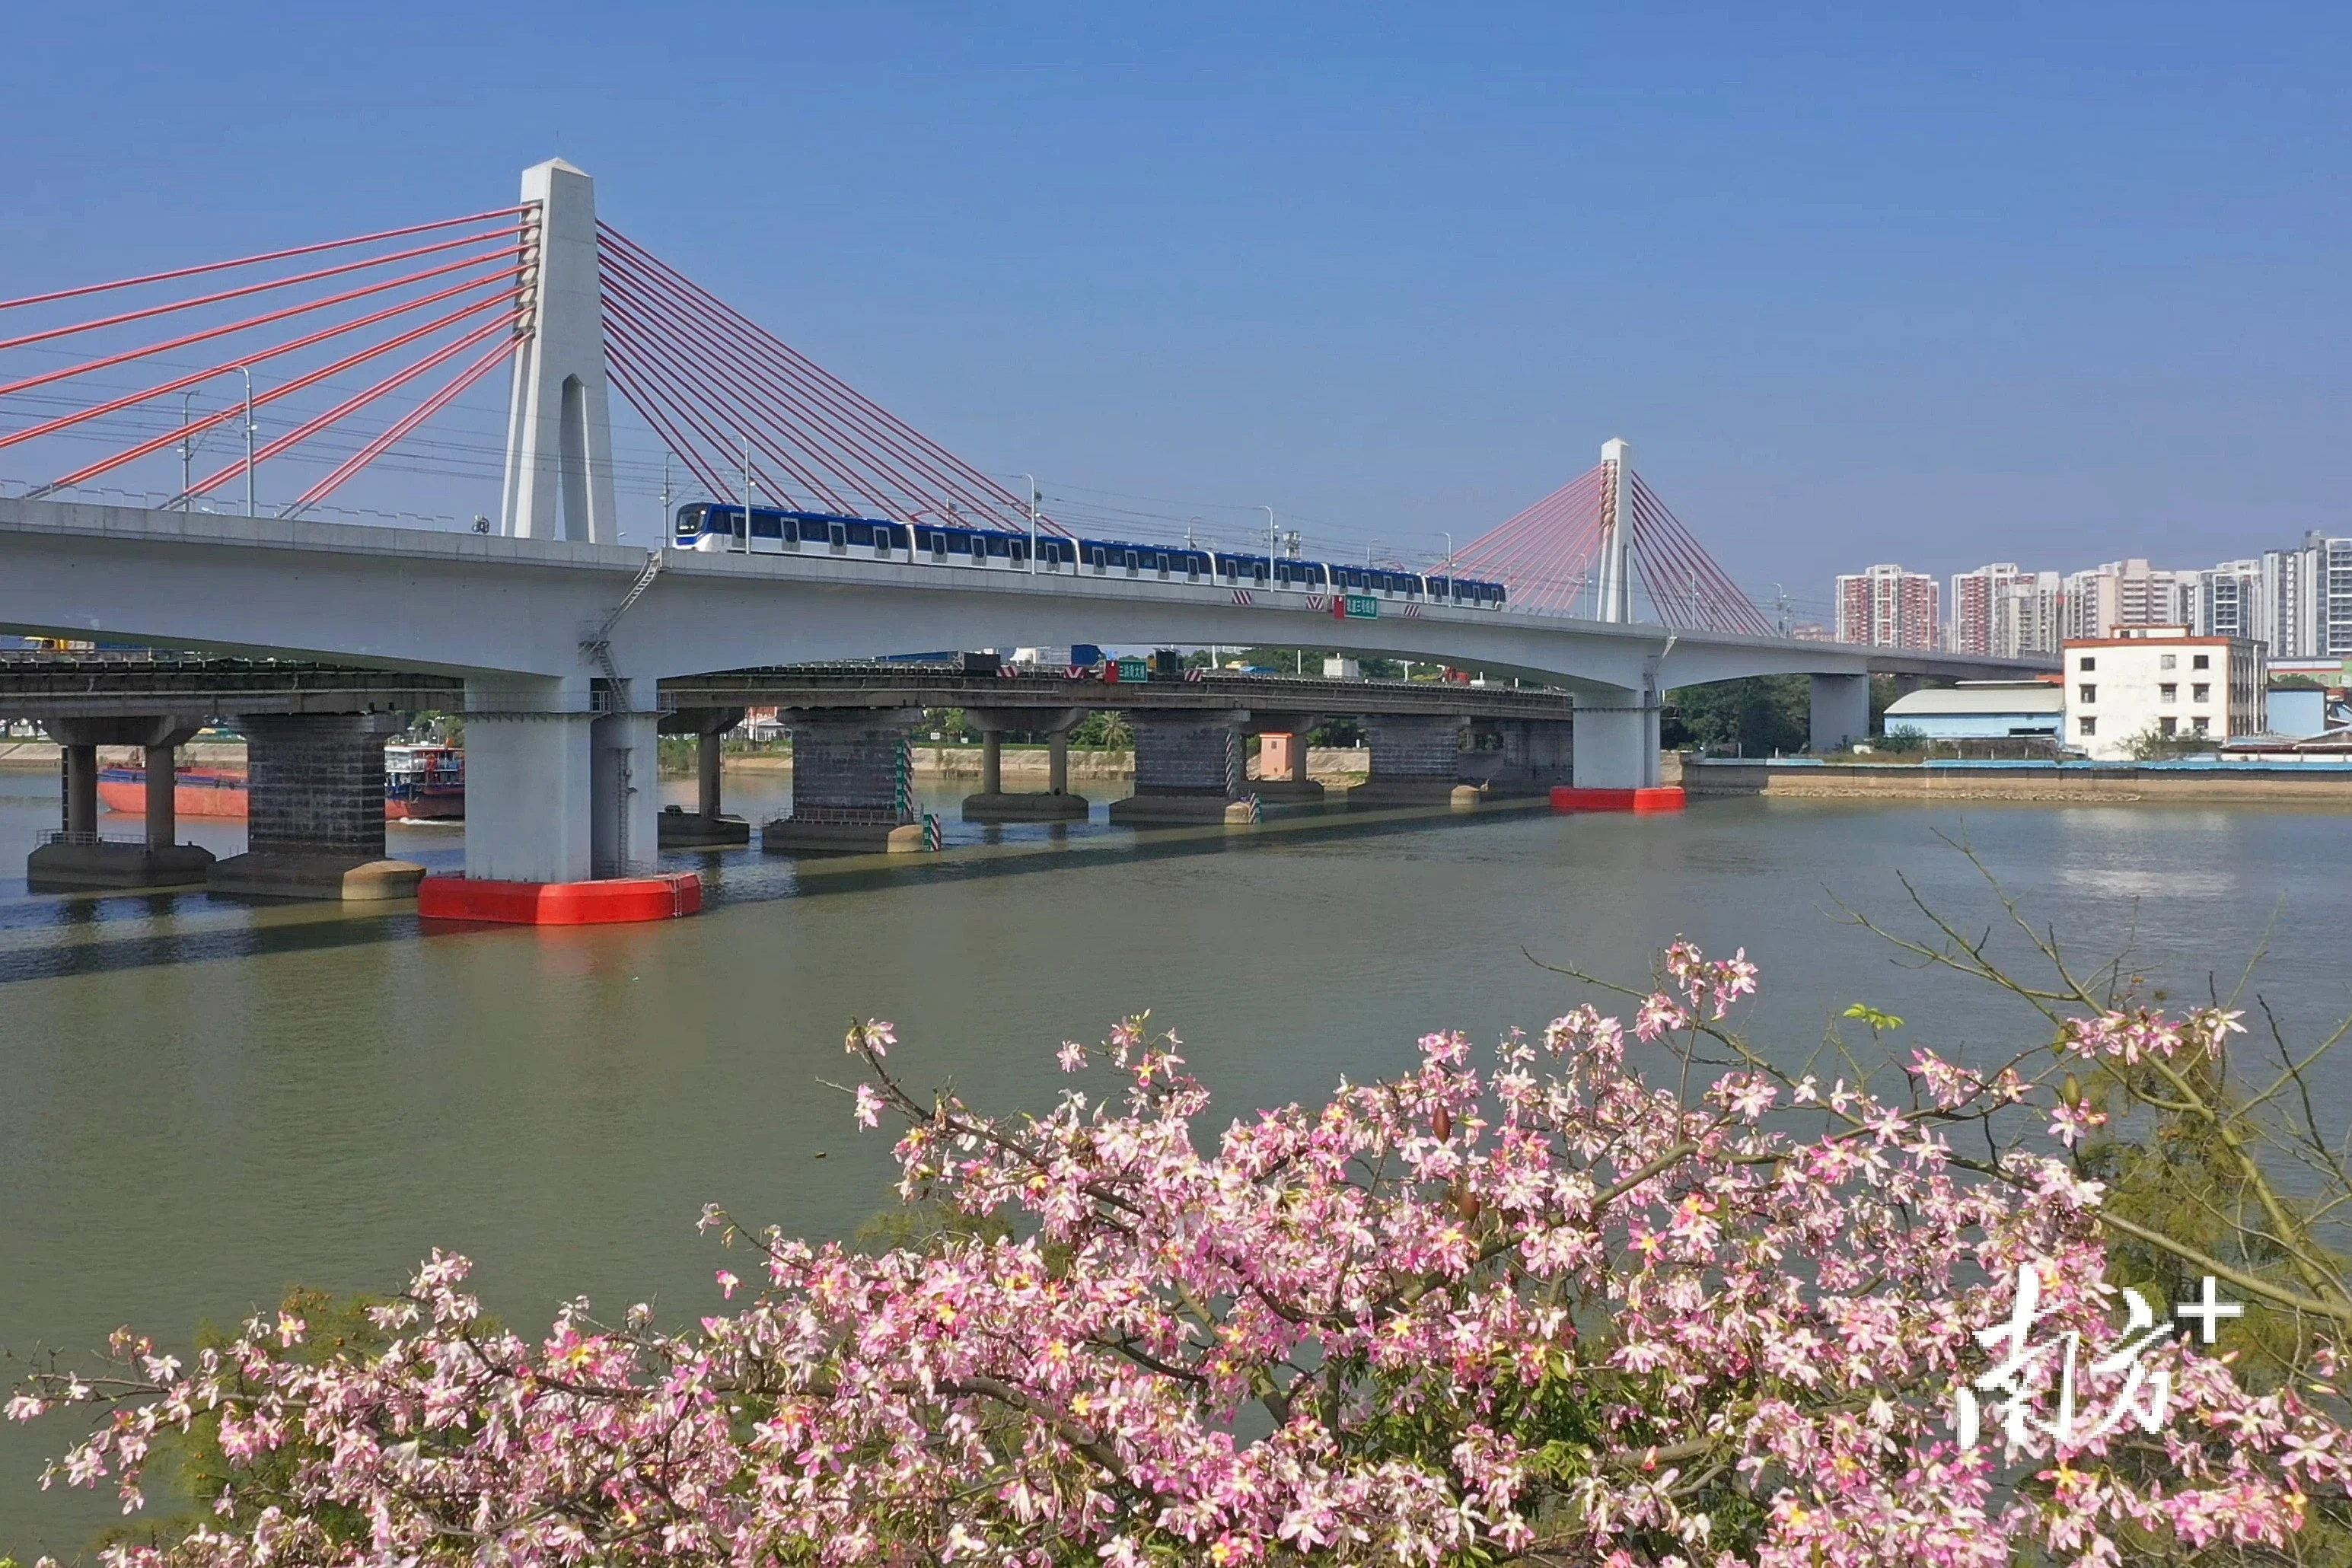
(1031, 481)
(747, 495)
(662, 531)
(1273, 541)
(187, 454)
(247, 373)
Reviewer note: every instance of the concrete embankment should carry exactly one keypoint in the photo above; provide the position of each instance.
(25, 756)
(2111, 784)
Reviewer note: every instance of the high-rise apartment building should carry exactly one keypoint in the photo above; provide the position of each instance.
(2297, 603)
(2002, 611)
(2230, 602)
(2129, 593)
(2339, 596)
(1968, 613)
(1886, 606)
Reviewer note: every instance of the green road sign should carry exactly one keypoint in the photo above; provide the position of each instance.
(1133, 669)
(1363, 607)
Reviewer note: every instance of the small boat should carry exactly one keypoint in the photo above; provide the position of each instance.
(422, 783)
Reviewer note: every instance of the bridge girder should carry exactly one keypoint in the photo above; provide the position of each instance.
(536, 609)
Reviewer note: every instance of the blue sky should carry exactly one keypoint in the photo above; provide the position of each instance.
(2045, 283)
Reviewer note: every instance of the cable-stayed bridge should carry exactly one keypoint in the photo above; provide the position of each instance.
(864, 536)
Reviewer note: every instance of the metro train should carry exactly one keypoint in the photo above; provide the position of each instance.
(713, 527)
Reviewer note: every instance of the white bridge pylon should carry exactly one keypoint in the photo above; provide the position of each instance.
(559, 467)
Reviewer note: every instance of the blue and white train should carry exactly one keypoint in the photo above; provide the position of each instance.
(707, 526)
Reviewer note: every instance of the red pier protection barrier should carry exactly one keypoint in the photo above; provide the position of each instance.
(609, 902)
(1660, 797)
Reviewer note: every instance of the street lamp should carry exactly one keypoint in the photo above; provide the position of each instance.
(1271, 540)
(1031, 481)
(747, 495)
(187, 453)
(247, 373)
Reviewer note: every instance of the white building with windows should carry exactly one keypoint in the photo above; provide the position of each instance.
(2160, 681)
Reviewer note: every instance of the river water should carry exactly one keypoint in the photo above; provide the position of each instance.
(203, 1102)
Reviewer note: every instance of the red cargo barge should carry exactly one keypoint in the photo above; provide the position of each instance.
(420, 783)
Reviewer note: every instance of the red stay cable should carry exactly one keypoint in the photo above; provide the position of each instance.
(684, 451)
(165, 389)
(685, 315)
(998, 495)
(256, 260)
(623, 302)
(240, 292)
(814, 393)
(667, 380)
(368, 454)
(1511, 523)
(272, 396)
(650, 348)
(723, 352)
(358, 400)
(88, 366)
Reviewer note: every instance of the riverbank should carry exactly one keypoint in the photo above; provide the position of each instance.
(31, 756)
(2102, 784)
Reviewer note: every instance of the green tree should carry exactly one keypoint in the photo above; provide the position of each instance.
(2153, 745)
(1757, 715)
(1105, 729)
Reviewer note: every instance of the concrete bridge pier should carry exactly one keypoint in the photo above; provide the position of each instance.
(1416, 761)
(77, 857)
(1533, 756)
(1616, 742)
(851, 783)
(561, 808)
(1282, 776)
(705, 826)
(314, 805)
(993, 804)
(1841, 712)
(1188, 769)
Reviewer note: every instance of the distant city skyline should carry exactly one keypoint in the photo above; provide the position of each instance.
(2296, 600)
